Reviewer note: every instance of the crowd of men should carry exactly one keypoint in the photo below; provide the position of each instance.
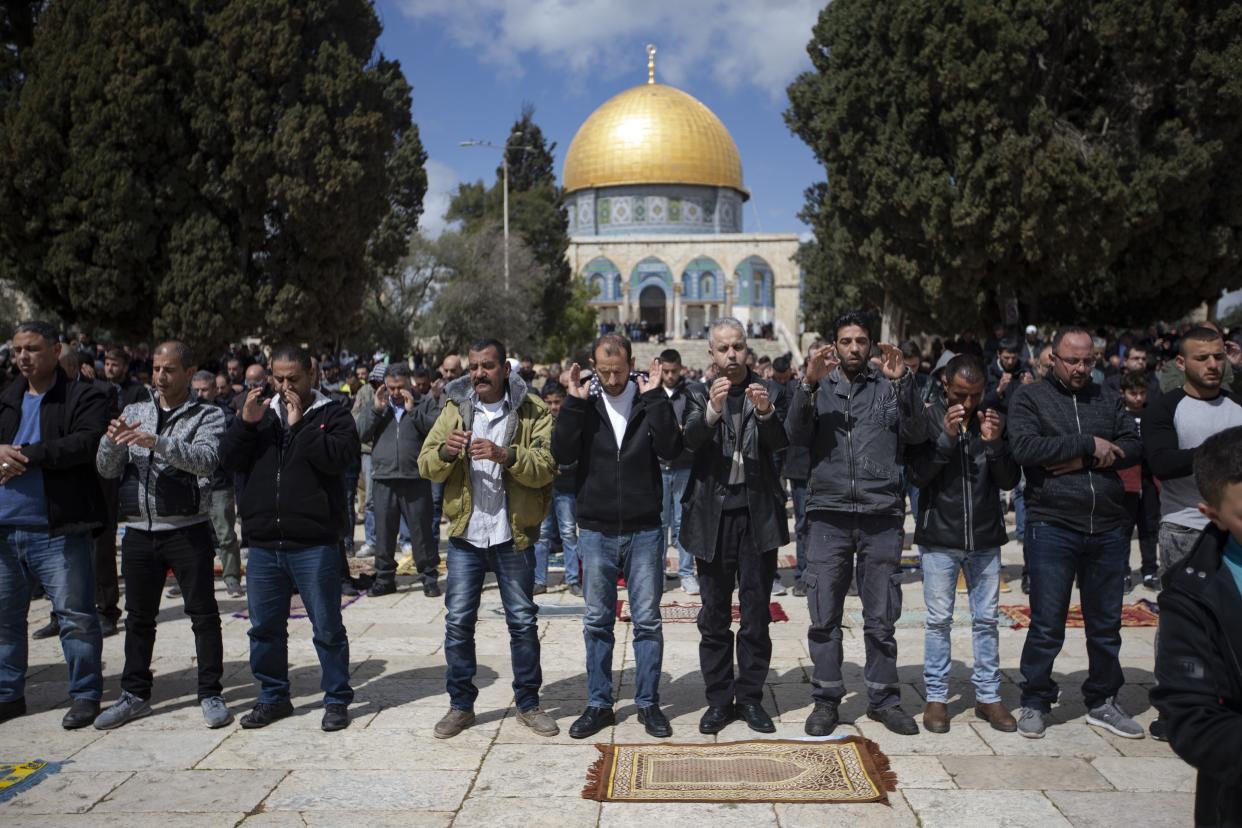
(617, 467)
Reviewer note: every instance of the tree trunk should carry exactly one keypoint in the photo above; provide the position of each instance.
(892, 320)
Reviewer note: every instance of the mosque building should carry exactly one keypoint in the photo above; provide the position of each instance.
(655, 195)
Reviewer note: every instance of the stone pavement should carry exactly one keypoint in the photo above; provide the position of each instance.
(387, 769)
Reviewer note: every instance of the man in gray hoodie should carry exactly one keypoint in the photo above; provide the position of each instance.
(397, 422)
(165, 451)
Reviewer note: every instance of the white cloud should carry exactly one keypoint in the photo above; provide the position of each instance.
(442, 183)
(736, 43)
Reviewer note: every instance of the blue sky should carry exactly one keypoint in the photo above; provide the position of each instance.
(473, 63)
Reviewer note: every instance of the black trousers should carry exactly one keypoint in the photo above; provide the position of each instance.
(737, 563)
(409, 499)
(1144, 511)
(107, 587)
(145, 558)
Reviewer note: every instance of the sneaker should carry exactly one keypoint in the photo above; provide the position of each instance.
(1127, 585)
(365, 551)
(264, 713)
(454, 722)
(1159, 730)
(538, 721)
(215, 712)
(1113, 719)
(799, 589)
(575, 590)
(127, 708)
(174, 591)
(233, 587)
(1152, 582)
(778, 588)
(690, 585)
(335, 717)
(1031, 723)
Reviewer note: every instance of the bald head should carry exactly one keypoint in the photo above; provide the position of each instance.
(451, 368)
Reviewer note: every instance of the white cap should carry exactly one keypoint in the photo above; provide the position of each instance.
(514, 365)
(1031, 329)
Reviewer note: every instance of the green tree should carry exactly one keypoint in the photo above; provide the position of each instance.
(219, 168)
(1076, 157)
(564, 319)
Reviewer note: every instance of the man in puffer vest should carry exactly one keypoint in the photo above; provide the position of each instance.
(165, 451)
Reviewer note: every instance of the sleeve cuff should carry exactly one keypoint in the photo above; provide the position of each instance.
(763, 418)
(711, 415)
(510, 457)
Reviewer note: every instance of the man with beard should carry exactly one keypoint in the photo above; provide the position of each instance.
(116, 371)
(676, 474)
(734, 522)
(223, 497)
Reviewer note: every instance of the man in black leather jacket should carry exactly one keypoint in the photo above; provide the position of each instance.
(961, 471)
(733, 522)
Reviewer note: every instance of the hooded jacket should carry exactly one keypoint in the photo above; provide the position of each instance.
(1049, 425)
(678, 400)
(395, 444)
(1199, 676)
(72, 418)
(528, 466)
(960, 478)
(169, 486)
(294, 495)
(856, 432)
(713, 457)
(619, 490)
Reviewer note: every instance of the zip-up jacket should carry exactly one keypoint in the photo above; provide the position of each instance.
(1049, 425)
(960, 478)
(713, 458)
(72, 418)
(396, 443)
(686, 459)
(294, 496)
(169, 486)
(618, 490)
(797, 462)
(856, 432)
(1199, 676)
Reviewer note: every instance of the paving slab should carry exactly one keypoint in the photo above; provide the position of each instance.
(192, 791)
(984, 809)
(1128, 773)
(1118, 810)
(896, 814)
(553, 770)
(379, 790)
(528, 812)
(63, 793)
(629, 814)
(1033, 773)
(143, 750)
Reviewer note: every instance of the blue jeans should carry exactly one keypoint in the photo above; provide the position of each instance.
(675, 481)
(64, 566)
(468, 565)
(271, 575)
(562, 519)
(797, 493)
(1019, 511)
(1056, 556)
(640, 557)
(982, 568)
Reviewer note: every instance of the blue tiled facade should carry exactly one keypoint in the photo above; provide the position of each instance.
(654, 208)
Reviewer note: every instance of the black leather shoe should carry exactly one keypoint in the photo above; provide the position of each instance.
(895, 719)
(823, 720)
(347, 587)
(81, 713)
(264, 714)
(49, 630)
(335, 717)
(653, 718)
(716, 718)
(431, 589)
(377, 589)
(1026, 584)
(592, 721)
(12, 709)
(756, 718)
(108, 627)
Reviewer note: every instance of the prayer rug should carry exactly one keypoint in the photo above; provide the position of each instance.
(16, 777)
(297, 609)
(851, 769)
(675, 613)
(1142, 613)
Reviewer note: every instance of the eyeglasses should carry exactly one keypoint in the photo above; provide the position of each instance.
(1072, 362)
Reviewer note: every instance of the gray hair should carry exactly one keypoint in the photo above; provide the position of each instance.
(1099, 342)
(725, 322)
(398, 370)
(203, 376)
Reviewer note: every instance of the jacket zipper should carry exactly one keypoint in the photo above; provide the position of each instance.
(968, 528)
(1090, 479)
(849, 442)
(280, 464)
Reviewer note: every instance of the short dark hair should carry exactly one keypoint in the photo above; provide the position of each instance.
(1218, 463)
(289, 352)
(116, 355)
(967, 366)
(763, 360)
(1132, 381)
(37, 326)
(1199, 333)
(397, 370)
(1070, 330)
(851, 318)
(488, 342)
(552, 387)
(910, 348)
(611, 343)
(781, 364)
(670, 355)
(183, 352)
(1008, 345)
(420, 373)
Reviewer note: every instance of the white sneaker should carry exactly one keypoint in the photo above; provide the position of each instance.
(365, 551)
(777, 587)
(690, 585)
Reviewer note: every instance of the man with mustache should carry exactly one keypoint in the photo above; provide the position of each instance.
(1176, 424)
(490, 447)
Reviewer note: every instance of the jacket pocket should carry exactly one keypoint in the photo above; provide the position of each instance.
(129, 496)
(176, 493)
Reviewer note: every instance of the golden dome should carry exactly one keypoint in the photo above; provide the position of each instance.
(652, 134)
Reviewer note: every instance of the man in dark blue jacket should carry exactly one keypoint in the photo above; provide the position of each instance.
(1070, 435)
(856, 421)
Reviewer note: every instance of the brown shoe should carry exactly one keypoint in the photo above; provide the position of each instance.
(454, 722)
(995, 714)
(936, 717)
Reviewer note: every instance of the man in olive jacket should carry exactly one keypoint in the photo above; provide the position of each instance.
(733, 522)
(491, 448)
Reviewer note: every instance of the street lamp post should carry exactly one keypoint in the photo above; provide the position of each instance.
(504, 174)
